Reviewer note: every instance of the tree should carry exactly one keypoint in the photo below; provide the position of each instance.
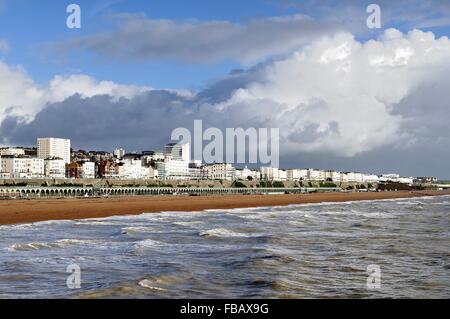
(237, 184)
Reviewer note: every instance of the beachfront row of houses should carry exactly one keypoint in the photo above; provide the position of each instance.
(53, 158)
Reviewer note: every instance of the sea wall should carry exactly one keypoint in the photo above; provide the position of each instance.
(97, 183)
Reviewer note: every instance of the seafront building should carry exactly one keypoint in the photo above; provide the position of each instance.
(179, 152)
(173, 169)
(119, 153)
(133, 169)
(11, 151)
(18, 167)
(297, 174)
(53, 158)
(219, 171)
(84, 170)
(246, 174)
(175, 165)
(53, 147)
(55, 167)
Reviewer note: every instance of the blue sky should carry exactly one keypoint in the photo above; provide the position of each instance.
(27, 25)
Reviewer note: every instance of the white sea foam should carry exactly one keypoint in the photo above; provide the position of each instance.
(148, 243)
(224, 232)
(97, 223)
(148, 284)
(50, 245)
(189, 224)
(138, 229)
(17, 227)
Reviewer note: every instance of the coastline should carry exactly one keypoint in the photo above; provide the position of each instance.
(38, 210)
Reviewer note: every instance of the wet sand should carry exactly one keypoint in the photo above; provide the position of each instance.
(36, 210)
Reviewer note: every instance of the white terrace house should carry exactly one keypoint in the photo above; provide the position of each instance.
(55, 168)
(219, 171)
(21, 167)
(133, 169)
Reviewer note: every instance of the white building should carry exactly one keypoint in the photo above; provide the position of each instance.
(269, 173)
(133, 169)
(53, 147)
(370, 178)
(195, 173)
(297, 174)
(406, 180)
(55, 168)
(389, 178)
(273, 174)
(195, 164)
(10, 151)
(176, 164)
(36, 167)
(179, 152)
(219, 171)
(22, 167)
(282, 175)
(247, 174)
(353, 177)
(88, 170)
(173, 169)
(335, 177)
(316, 175)
(243, 174)
(119, 153)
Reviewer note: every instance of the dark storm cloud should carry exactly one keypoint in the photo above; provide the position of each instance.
(99, 122)
(146, 122)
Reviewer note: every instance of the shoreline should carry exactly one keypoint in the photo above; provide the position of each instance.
(39, 210)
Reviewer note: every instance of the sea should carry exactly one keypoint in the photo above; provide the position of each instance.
(365, 249)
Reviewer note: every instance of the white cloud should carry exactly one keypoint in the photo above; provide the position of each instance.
(337, 95)
(21, 97)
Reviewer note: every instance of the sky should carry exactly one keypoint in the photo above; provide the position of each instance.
(344, 96)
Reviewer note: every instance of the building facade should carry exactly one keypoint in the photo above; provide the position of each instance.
(219, 171)
(11, 151)
(55, 168)
(53, 147)
(173, 169)
(179, 152)
(22, 167)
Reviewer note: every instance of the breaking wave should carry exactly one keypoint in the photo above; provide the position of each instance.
(62, 243)
(226, 233)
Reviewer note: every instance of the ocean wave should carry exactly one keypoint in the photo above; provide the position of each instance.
(354, 212)
(162, 282)
(149, 284)
(227, 233)
(50, 245)
(148, 243)
(138, 229)
(189, 224)
(17, 227)
(97, 223)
